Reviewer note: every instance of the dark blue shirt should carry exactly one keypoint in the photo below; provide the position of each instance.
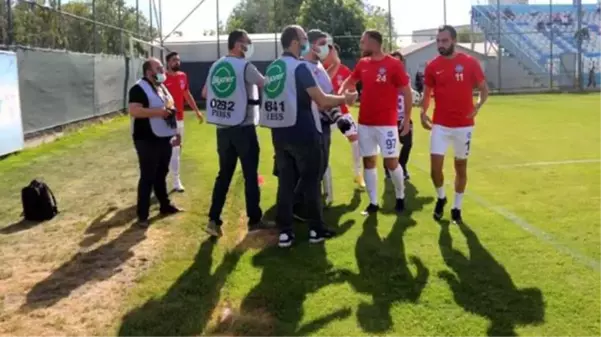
(304, 130)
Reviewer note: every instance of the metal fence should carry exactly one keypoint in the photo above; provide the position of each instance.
(75, 58)
(545, 45)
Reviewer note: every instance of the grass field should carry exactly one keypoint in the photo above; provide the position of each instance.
(526, 262)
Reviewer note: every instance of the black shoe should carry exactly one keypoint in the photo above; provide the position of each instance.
(169, 210)
(439, 209)
(143, 223)
(214, 229)
(400, 205)
(258, 226)
(456, 216)
(371, 209)
(320, 234)
(286, 239)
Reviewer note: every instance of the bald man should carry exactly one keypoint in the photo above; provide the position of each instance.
(153, 127)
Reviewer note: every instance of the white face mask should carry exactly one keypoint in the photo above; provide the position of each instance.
(160, 78)
(323, 52)
(250, 49)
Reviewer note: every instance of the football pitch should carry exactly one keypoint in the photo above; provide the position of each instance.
(526, 262)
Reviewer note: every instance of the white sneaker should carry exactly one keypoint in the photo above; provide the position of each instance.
(178, 187)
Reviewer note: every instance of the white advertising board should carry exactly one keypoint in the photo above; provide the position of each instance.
(11, 124)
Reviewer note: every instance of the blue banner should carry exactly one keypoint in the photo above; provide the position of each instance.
(11, 125)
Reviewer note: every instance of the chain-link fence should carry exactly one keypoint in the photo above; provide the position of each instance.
(91, 26)
(76, 59)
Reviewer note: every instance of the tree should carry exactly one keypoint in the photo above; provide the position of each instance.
(343, 19)
(46, 27)
(263, 16)
(377, 18)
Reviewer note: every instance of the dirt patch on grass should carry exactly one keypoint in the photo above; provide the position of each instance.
(69, 276)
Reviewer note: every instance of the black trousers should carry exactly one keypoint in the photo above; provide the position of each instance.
(153, 158)
(233, 144)
(406, 145)
(300, 170)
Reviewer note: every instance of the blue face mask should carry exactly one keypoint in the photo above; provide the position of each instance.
(305, 49)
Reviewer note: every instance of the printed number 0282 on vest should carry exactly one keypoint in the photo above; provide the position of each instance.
(223, 84)
(276, 83)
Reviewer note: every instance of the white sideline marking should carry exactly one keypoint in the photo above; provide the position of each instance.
(551, 163)
(528, 227)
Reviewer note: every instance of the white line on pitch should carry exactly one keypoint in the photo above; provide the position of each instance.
(528, 227)
(550, 163)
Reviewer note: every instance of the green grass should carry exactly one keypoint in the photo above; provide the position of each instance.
(388, 274)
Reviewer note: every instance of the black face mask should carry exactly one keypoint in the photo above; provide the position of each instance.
(175, 67)
(447, 51)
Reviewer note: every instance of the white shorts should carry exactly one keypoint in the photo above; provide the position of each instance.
(373, 139)
(442, 136)
(353, 130)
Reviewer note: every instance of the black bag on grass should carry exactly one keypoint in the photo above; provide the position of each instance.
(38, 202)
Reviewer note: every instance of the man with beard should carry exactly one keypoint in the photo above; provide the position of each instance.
(177, 84)
(383, 77)
(452, 76)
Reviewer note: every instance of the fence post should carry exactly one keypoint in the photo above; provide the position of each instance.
(217, 29)
(579, 41)
(9, 22)
(120, 19)
(138, 18)
(551, 60)
(150, 18)
(389, 26)
(94, 40)
(499, 52)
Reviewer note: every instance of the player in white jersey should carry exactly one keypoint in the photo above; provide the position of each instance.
(406, 140)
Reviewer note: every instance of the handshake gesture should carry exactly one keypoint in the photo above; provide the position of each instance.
(350, 97)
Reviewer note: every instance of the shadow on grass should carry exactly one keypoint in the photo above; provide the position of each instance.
(187, 306)
(384, 270)
(275, 305)
(95, 265)
(111, 218)
(482, 286)
(20, 226)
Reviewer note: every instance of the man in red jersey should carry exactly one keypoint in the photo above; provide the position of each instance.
(451, 77)
(177, 84)
(382, 77)
(338, 72)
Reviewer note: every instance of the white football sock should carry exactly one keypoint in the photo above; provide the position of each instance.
(371, 184)
(398, 180)
(440, 192)
(356, 157)
(174, 164)
(458, 200)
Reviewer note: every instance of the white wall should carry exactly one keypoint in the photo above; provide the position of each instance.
(206, 51)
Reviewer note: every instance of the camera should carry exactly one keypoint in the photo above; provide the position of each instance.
(171, 120)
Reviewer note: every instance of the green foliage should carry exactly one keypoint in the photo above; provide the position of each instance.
(48, 28)
(344, 19)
